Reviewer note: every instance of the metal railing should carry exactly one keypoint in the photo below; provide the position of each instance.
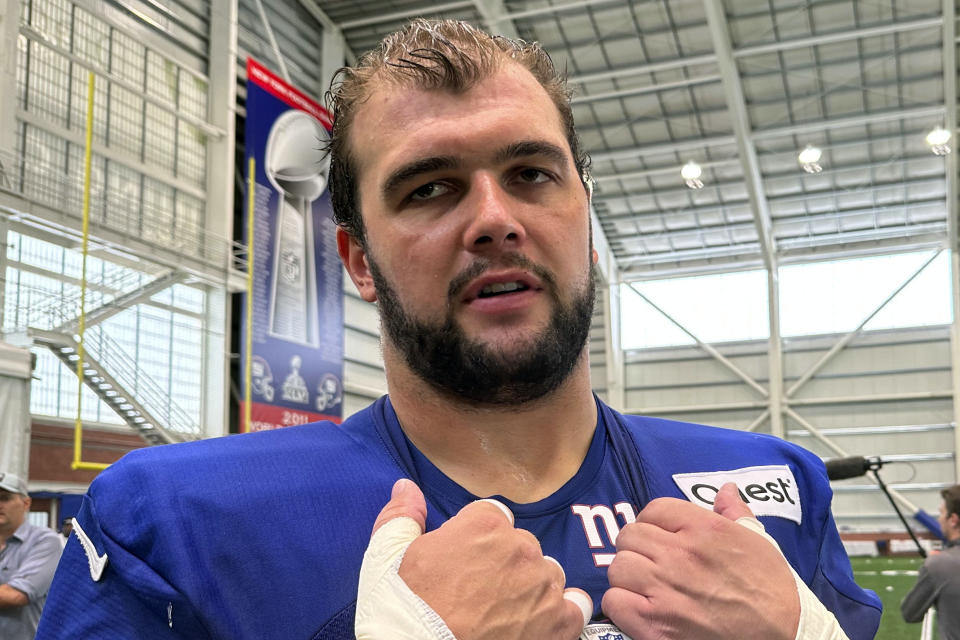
(119, 364)
(56, 310)
(147, 391)
(135, 217)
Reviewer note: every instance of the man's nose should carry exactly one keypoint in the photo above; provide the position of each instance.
(493, 221)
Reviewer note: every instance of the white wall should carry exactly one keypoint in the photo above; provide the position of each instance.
(886, 394)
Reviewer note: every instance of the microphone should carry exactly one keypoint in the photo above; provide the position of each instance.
(852, 467)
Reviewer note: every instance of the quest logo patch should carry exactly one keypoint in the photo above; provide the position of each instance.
(769, 490)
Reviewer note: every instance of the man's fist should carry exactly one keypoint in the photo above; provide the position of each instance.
(683, 572)
(476, 577)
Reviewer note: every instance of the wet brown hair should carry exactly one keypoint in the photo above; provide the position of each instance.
(443, 55)
(951, 498)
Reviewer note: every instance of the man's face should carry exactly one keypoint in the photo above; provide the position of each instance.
(477, 235)
(13, 510)
(948, 523)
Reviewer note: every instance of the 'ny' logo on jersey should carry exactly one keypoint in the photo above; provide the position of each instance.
(590, 516)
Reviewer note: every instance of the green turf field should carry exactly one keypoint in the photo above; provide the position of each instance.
(891, 589)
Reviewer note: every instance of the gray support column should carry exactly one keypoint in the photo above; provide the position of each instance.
(9, 29)
(613, 351)
(775, 354)
(333, 50)
(4, 229)
(219, 214)
(953, 215)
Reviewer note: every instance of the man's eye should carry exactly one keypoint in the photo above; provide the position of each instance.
(429, 191)
(533, 176)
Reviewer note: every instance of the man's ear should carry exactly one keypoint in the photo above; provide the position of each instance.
(354, 258)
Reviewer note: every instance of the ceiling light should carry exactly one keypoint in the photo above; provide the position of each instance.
(939, 139)
(691, 173)
(810, 159)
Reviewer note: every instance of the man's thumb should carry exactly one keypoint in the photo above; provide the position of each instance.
(406, 500)
(729, 504)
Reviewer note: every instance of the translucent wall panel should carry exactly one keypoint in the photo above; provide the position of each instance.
(836, 296)
(715, 308)
(162, 337)
(149, 163)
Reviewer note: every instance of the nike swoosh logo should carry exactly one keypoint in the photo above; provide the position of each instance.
(96, 561)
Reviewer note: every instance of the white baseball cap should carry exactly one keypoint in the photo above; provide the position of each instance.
(12, 483)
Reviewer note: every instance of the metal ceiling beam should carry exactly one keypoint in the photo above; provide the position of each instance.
(840, 36)
(657, 149)
(569, 6)
(497, 18)
(733, 90)
(800, 196)
(680, 63)
(766, 134)
(406, 13)
(834, 215)
(673, 168)
(932, 111)
(651, 88)
(640, 69)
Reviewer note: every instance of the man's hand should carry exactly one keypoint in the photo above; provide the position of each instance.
(483, 578)
(683, 572)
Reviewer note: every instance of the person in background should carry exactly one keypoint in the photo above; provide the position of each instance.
(938, 584)
(66, 527)
(28, 560)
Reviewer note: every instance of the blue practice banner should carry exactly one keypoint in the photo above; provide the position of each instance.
(297, 352)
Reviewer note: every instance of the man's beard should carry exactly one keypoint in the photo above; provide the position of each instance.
(464, 369)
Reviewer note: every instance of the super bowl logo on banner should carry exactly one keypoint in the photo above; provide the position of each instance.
(293, 314)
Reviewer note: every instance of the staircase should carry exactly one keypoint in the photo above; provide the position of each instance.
(109, 371)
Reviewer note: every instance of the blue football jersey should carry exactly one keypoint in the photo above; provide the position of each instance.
(262, 535)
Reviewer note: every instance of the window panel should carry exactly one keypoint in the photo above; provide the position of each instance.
(123, 198)
(157, 218)
(91, 39)
(836, 296)
(715, 308)
(160, 138)
(164, 343)
(51, 18)
(191, 153)
(43, 156)
(128, 59)
(126, 121)
(47, 94)
(162, 78)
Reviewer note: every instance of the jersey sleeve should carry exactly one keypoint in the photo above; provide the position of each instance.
(857, 610)
(126, 600)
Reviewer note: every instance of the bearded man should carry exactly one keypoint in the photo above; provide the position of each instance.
(518, 505)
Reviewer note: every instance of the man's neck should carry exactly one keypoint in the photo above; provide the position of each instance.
(524, 453)
(6, 532)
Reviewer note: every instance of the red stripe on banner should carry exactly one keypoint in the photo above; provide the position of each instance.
(277, 87)
(264, 417)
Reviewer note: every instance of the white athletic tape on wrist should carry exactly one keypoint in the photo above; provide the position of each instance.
(816, 622)
(386, 607)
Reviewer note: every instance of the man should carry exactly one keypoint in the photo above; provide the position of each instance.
(460, 189)
(938, 584)
(28, 559)
(66, 528)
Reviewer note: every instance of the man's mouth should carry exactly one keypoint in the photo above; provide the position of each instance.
(500, 288)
